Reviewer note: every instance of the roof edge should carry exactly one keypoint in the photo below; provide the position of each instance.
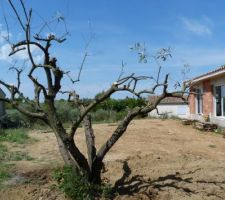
(208, 75)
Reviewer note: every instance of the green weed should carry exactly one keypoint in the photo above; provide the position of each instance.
(7, 156)
(18, 155)
(15, 135)
(77, 187)
(4, 172)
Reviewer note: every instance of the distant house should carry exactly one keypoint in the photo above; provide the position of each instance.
(2, 104)
(207, 97)
(170, 106)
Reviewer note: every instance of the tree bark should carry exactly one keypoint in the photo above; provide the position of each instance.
(90, 140)
(67, 158)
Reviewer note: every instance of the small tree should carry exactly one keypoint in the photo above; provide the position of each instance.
(47, 111)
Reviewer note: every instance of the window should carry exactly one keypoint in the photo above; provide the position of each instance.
(220, 100)
(199, 103)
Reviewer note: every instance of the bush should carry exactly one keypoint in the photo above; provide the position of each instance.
(76, 186)
(14, 119)
(111, 110)
(66, 112)
(100, 116)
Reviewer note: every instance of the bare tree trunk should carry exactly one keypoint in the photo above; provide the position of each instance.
(67, 158)
(69, 151)
(95, 175)
(90, 140)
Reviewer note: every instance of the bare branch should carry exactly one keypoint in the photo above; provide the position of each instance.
(122, 71)
(7, 26)
(49, 38)
(105, 95)
(35, 81)
(14, 51)
(83, 60)
(27, 30)
(18, 71)
(17, 14)
(13, 91)
(24, 43)
(24, 9)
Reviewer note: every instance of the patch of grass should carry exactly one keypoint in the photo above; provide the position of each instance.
(6, 156)
(15, 135)
(4, 172)
(76, 186)
(3, 152)
(18, 155)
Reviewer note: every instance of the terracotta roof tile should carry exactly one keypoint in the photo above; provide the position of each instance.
(169, 100)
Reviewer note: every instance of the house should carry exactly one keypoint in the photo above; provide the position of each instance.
(207, 97)
(2, 104)
(170, 106)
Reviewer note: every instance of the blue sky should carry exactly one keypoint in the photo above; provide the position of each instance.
(194, 29)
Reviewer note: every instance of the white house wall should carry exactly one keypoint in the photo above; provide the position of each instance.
(181, 111)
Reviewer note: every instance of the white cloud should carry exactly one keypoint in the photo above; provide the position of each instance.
(5, 49)
(197, 27)
(4, 52)
(4, 34)
(200, 56)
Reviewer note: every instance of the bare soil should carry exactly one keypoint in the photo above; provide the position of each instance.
(155, 159)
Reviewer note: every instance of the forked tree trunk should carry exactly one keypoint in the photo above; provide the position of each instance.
(66, 156)
(68, 150)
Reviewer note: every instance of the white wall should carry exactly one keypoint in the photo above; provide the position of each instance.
(181, 110)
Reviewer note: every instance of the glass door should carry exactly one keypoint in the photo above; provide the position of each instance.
(220, 100)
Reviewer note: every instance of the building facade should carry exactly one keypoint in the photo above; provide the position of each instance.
(171, 107)
(207, 97)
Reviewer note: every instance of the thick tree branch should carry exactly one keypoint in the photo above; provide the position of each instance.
(90, 140)
(24, 43)
(98, 100)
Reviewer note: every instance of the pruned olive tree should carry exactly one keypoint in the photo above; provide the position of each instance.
(43, 107)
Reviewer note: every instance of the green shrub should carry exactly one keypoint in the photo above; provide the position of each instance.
(76, 186)
(111, 110)
(15, 119)
(100, 116)
(120, 115)
(66, 111)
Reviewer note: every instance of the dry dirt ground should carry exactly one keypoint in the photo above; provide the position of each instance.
(155, 159)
